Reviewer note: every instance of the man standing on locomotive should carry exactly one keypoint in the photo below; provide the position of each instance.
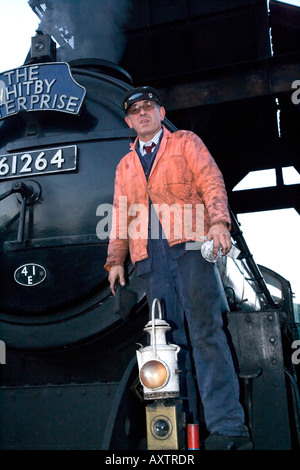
(177, 169)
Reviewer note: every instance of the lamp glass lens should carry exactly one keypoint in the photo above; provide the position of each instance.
(153, 374)
(161, 427)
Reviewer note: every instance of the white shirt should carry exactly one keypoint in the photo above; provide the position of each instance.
(155, 140)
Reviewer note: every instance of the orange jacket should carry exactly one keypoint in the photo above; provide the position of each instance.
(184, 176)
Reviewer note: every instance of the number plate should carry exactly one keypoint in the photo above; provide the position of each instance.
(37, 162)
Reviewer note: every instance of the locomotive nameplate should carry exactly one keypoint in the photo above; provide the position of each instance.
(40, 87)
(37, 162)
(30, 274)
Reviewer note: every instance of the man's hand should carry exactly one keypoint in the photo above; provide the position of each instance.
(116, 273)
(220, 234)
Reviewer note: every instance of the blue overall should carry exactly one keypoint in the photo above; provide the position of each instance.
(191, 293)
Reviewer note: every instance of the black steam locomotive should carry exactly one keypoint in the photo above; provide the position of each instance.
(69, 376)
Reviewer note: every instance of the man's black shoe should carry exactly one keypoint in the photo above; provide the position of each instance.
(220, 442)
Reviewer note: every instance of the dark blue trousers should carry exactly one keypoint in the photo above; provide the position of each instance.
(190, 292)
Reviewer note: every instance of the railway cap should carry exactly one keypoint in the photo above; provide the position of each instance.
(138, 94)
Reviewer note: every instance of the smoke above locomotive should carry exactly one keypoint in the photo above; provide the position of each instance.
(67, 22)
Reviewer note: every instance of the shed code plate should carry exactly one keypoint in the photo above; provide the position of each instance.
(30, 274)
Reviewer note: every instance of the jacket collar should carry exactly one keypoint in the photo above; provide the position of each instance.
(166, 135)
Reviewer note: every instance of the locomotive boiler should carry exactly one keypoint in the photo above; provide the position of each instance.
(69, 375)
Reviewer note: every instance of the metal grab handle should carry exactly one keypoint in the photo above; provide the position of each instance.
(26, 192)
(6, 194)
(18, 187)
(21, 228)
(155, 301)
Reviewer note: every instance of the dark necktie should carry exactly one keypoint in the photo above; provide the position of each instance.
(148, 148)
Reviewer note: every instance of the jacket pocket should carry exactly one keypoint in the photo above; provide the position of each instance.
(176, 176)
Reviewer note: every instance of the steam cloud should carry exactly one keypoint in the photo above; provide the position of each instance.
(87, 28)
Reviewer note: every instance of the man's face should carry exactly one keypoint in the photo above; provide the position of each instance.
(146, 123)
